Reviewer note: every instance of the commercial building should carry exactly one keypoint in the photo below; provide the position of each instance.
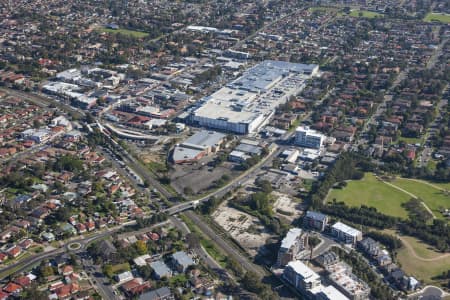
(197, 146)
(245, 150)
(290, 155)
(315, 220)
(248, 103)
(301, 276)
(345, 233)
(291, 246)
(238, 156)
(308, 138)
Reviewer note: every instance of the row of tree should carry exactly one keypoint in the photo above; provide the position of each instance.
(345, 168)
(363, 215)
(437, 234)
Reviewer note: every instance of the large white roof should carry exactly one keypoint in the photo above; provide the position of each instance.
(256, 93)
(304, 271)
(290, 238)
(346, 229)
(329, 292)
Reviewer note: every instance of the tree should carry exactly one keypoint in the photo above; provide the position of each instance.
(265, 186)
(252, 283)
(141, 247)
(62, 214)
(234, 266)
(46, 271)
(188, 190)
(32, 292)
(145, 271)
(108, 270)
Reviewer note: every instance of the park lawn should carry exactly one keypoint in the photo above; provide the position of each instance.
(373, 193)
(321, 9)
(439, 17)
(409, 140)
(433, 197)
(445, 186)
(423, 270)
(132, 33)
(120, 268)
(365, 14)
(422, 249)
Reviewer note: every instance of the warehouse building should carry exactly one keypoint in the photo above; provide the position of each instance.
(248, 103)
(197, 146)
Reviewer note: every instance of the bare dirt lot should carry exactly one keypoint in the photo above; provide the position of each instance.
(244, 228)
(286, 206)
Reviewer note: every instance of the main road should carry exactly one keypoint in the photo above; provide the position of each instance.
(28, 262)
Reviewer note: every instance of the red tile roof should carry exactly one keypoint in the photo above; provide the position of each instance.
(23, 281)
(12, 287)
(3, 295)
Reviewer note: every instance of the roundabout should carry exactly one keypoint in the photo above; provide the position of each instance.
(74, 246)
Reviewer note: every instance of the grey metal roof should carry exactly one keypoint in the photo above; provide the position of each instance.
(182, 259)
(205, 139)
(156, 294)
(249, 149)
(160, 268)
(315, 215)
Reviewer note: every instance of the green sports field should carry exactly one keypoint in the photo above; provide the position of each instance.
(433, 197)
(437, 17)
(365, 14)
(387, 199)
(370, 191)
(132, 33)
